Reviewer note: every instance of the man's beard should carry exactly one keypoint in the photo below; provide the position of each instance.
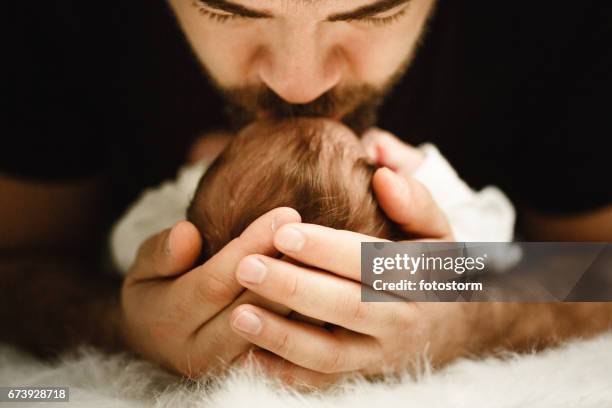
(356, 107)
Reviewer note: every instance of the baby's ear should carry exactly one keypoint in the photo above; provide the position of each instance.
(209, 146)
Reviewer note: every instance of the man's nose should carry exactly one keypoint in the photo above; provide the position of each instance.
(299, 66)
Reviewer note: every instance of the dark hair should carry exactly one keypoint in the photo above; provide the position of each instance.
(318, 167)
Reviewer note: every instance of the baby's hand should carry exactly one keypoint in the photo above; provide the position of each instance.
(208, 146)
(385, 149)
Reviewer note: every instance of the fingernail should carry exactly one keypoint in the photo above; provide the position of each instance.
(275, 224)
(290, 239)
(167, 242)
(247, 322)
(371, 153)
(251, 270)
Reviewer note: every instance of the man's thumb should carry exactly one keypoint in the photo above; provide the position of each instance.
(409, 204)
(168, 253)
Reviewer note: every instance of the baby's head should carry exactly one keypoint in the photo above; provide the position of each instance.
(316, 166)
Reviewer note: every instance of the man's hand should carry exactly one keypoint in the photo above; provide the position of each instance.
(385, 149)
(324, 285)
(180, 317)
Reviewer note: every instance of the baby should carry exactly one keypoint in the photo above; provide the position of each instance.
(316, 166)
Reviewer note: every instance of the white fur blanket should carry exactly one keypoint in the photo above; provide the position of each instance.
(578, 374)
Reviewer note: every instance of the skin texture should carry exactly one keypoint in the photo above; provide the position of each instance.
(189, 318)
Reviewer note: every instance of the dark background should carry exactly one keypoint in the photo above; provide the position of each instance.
(514, 94)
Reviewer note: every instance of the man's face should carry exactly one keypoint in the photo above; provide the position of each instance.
(333, 58)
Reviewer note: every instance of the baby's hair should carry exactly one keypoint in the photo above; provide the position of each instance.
(316, 166)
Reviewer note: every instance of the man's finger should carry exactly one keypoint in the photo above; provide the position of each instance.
(285, 371)
(314, 293)
(212, 286)
(387, 150)
(169, 253)
(311, 347)
(216, 338)
(410, 205)
(336, 251)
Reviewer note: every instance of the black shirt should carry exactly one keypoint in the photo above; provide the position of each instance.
(516, 95)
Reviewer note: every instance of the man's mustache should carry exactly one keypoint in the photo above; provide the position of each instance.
(251, 103)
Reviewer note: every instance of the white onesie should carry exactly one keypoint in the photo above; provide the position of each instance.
(483, 216)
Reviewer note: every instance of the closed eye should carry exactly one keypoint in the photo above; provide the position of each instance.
(221, 10)
(384, 20)
(381, 13)
(215, 16)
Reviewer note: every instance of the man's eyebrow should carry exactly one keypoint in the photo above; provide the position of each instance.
(234, 8)
(367, 11)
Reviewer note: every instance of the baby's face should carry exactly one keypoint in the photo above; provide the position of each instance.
(318, 167)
